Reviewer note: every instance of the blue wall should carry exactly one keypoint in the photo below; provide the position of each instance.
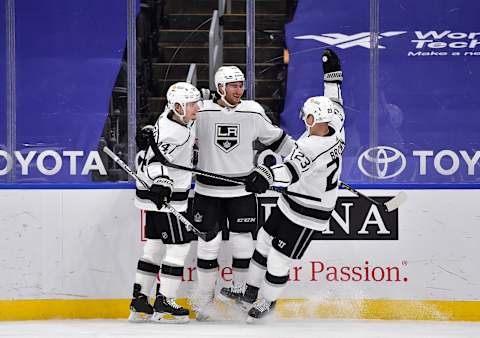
(68, 55)
(424, 102)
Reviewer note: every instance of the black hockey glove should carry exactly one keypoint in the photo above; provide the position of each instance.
(332, 71)
(161, 191)
(259, 180)
(142, 137)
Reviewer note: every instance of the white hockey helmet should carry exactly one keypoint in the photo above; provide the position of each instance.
(320, 107)
(182, 93)
(227, 74)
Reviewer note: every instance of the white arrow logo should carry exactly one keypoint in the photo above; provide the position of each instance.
(346, 41)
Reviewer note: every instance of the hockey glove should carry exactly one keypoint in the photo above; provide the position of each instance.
(331, 67)
(206, 95)
(259, 180)
(142, 137)
(161, 191)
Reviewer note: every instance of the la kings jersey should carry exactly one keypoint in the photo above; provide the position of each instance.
(314, 166)
(175, 141)
(225, 144)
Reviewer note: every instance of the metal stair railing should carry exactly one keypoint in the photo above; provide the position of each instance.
(215, 44)
(192, 74)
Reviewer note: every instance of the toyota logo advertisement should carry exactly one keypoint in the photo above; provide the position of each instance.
(382, 162)
(388, 163)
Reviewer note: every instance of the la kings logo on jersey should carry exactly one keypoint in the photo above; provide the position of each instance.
(227, 136)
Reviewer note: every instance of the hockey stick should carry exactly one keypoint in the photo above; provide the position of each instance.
(163, 160)
(389, 206)
(189, 226)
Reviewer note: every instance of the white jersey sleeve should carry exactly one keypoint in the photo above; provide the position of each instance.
(270, 135)
(334, 92)
(175, 141)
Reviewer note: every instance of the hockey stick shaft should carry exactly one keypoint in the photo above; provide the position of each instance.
(171, 209)
(359, 194)
(388, 206)
(167, 163)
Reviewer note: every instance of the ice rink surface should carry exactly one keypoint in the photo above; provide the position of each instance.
(238, 329)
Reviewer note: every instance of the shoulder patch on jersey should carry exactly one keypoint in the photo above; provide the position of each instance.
(227, 136)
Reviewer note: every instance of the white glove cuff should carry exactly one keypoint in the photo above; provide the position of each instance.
(164, 181)
(333, 76)
(266, 172)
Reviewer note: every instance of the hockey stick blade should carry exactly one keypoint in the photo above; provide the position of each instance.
(395, 202)
(126, 168)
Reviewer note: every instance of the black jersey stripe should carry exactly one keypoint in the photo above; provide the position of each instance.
(326, 151)
(309, 212)
(275, 145)
(293, 171)
(257, 113)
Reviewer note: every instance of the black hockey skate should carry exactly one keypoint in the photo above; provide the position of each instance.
(260, 309)
(140, 308)
(331, 67)
(244, 295)
(168, 311)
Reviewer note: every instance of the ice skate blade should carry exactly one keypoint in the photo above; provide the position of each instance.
(139, 317)
(168, 318)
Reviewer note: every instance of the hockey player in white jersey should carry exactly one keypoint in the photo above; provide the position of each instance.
(312, 168)
(226, 129)
(168, 242)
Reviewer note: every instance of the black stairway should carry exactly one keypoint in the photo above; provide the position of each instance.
(179, 46)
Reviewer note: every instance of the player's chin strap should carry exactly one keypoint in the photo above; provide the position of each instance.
(224, 100)
(388, 206)
(189, 226)
(181, 116)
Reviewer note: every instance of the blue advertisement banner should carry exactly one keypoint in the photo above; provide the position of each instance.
(68, 55)
(412, 105)
(413, 114)
(3, 68)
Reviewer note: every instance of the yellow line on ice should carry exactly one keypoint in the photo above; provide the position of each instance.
(286, 308)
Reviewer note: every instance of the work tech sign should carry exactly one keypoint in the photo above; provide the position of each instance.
(422, 42)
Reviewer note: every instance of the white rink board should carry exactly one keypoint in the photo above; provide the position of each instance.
(84, 244)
